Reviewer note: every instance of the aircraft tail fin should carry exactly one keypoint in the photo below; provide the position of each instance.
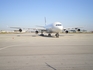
(45, 20)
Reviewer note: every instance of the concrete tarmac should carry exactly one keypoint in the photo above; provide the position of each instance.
(30, 52)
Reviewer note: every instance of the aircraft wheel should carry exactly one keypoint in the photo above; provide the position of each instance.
(49, 35)
(41, 34)
(57, 35)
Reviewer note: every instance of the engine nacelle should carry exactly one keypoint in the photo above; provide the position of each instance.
(66, 31)
(20, 30)
(78, 29)
(36, 32)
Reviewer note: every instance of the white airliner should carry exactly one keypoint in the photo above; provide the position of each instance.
(55, 27)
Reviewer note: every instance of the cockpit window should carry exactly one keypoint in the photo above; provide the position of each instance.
(58, 24)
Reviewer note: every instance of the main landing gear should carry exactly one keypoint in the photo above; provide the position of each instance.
(57, 35)
(41, 33)
(49, 35)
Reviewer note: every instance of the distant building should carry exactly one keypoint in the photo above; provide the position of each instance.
(2, 31)
(83, 31)
(91, 31)
(5, 31)
(16, 30)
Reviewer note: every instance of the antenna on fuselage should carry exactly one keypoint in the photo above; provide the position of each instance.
(45, 20)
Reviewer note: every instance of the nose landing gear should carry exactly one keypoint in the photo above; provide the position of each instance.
(57, 35)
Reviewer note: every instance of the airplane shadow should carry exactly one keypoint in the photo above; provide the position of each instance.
(52, 36)
(48, 36)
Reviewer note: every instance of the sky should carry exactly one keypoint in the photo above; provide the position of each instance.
(29, 13)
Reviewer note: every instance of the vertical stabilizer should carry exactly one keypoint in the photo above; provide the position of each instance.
(45, 20)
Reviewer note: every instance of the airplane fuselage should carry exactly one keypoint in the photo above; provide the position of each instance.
(55, 27)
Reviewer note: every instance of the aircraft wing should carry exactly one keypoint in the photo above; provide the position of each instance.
(38, 28)
(16, 27)
(72, 28)
(20, 28)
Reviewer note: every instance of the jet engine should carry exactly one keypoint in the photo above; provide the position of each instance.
(77, 29)
(20, 30)
(66, 31)
(36, 32)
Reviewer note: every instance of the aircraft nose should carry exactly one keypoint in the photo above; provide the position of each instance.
(60, 28)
